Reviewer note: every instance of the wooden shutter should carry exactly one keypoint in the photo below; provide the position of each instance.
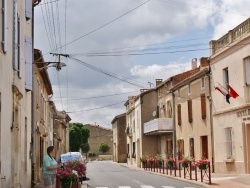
(179, 114)
(191, 147)
(247, 70)
(180, 144)
(190, 111)
(203, 106)
(15, 35)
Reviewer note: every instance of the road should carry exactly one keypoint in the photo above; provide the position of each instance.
(107, 174)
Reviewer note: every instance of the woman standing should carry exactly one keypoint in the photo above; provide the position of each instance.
(50, 166)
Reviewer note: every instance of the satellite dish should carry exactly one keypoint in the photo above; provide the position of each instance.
(154, 113)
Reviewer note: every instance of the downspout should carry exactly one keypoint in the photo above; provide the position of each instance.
(33, 123)
(174, 129)
(211, 117)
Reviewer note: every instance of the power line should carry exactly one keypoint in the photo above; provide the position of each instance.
(95, 108)
(102, 26)
(101, 96)
(107, 73)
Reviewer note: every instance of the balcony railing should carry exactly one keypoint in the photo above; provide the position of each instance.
(159, 125)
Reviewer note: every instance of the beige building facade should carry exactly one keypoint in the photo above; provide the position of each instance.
(119, 138)
(230, 66)
(15, 93)
(140, 109)
(192, 99)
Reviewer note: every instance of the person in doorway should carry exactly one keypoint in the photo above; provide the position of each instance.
(50, 166)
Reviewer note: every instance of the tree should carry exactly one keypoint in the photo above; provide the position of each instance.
(78, 137)
(103, 147)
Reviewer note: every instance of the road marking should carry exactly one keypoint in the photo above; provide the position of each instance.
(147, 186)
(124, 187)
(101, 187)
(168, 187)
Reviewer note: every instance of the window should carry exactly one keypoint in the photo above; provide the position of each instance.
(179, 114)
(228, 144)
(190, 111)
(202, 83)
(133, 155)
(169, 109)
(203, 106)
(169, 147)
(180, 143)
(191, 147)
(25, 145)
(189, 88)
(4, 26)
(247, 70)
(128, 151)
(225, 78)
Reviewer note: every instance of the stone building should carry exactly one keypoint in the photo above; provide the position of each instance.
(97, 136)
(119, 138)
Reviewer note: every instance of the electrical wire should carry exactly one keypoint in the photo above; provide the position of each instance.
(95, 97)
(96, 108)
(107, 73)
(102, 26)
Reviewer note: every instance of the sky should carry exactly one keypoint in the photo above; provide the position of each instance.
(117, 47)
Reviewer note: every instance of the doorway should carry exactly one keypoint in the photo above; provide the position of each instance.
(204, 147)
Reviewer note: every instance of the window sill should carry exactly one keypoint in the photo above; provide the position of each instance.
(229, 160)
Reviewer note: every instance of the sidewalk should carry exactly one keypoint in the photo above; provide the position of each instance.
(218, 180)
(83, 185)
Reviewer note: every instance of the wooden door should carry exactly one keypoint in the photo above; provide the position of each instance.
(204, 147)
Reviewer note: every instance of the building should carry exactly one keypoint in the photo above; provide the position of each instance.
(15, 93)
(192, 100)
(119, 138)
(140, 109)
(230, 66)
(97, 136)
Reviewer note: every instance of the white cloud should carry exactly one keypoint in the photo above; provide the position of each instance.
(155, 22)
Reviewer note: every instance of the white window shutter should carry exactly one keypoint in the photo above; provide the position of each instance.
(28, 63)
(247, 68)
(28, 9)
(5, 26)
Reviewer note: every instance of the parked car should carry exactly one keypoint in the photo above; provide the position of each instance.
(80, 164)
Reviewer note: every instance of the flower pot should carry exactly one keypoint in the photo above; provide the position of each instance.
(170, 163)
(66, 184)
(202, 167)
(74, 184)
(159, 163)
(185, 164)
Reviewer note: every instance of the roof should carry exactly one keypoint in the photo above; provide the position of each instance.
(117, 117)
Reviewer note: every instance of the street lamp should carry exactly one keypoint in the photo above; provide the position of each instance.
(57, 65)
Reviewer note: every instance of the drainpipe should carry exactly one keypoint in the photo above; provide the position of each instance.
(174, 129)
(33, 123)
(211, 117)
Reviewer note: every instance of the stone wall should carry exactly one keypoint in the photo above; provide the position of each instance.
(99, 135)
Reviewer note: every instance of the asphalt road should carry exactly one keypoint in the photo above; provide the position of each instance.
(106, 174)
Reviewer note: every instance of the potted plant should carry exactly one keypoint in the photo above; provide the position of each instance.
(185, 161)
(144, 159)
(170, 161)
(202, 164)
(66, 176)
(159, 160)
(79, 167)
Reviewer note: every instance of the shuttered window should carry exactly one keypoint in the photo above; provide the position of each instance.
(181, 148)
(247, 70)
(28, 9)
(191, 147)
(203, 106)
(190, 111)
(28, 63)
(4, 26)
(179, 114)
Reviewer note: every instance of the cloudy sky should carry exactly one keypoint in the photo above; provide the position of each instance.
(117, 47)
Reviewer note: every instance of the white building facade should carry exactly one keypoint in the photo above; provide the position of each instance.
(15, 93)
(230, 66)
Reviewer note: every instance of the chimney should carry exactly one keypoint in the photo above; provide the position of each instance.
(194, 63)
(204, 62)
(158, 82)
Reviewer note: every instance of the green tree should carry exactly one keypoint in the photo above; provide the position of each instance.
(78, 137)
(103, 147)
